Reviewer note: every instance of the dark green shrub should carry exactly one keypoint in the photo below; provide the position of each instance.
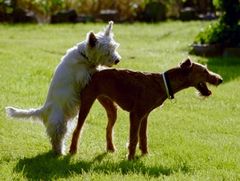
(227, 30)
(42, 9)
(219, 33)
(154, 11)
(230, 11)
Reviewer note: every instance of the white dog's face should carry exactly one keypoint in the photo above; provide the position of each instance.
(102, 48)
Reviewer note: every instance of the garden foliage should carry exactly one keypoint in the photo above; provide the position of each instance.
(226, 31)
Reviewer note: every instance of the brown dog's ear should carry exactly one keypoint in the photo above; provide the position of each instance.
(92, 40)
(187, 64)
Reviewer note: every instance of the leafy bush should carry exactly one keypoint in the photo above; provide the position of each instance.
(226, 31)
(212, 34)
(6, 10)
(219, 33)
(230, 11)
(42, 9)
(154, 11)
(127, 9)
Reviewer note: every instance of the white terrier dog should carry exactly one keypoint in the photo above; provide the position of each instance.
(70, 77)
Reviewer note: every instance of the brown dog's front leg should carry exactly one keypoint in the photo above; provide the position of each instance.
(73, 147)
(143, 136)
(133, 137)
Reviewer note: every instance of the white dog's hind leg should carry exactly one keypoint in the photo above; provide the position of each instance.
(56, 130)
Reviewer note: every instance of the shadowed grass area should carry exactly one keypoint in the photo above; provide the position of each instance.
(64, 167)
(189, 138)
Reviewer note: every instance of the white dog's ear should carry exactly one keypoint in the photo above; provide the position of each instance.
(92, 40)
(108, 29)
(187, 64)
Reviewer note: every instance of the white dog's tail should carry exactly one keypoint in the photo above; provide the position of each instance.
(24, 113)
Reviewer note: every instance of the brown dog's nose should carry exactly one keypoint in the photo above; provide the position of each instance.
(220, 81)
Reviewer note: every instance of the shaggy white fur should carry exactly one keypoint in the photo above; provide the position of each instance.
(70, 77)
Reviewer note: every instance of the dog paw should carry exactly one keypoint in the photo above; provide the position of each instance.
(111, 149)
(72, 151)
(130, 157)
(60, 153)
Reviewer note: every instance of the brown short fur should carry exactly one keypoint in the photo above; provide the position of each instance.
(138, 93)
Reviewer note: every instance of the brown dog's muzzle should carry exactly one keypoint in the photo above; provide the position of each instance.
(220, 81)
(215, 79)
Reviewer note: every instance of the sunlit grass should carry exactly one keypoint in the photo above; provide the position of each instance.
(189, 138)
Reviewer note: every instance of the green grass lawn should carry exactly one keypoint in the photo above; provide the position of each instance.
(189, 138)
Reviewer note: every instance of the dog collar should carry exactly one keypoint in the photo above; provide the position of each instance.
(167, 86)
(84, 55)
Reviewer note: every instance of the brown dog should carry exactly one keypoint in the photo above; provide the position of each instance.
(139, 93)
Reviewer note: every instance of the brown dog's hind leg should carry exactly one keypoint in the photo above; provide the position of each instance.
(135, 121)
(111, 110)
(86, 104)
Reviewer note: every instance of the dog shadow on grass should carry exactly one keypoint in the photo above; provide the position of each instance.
(47, 167)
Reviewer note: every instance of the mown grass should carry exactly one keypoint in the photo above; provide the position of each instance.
(189, 138)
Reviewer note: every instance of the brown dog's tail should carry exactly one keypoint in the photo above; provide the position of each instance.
(24, 113)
